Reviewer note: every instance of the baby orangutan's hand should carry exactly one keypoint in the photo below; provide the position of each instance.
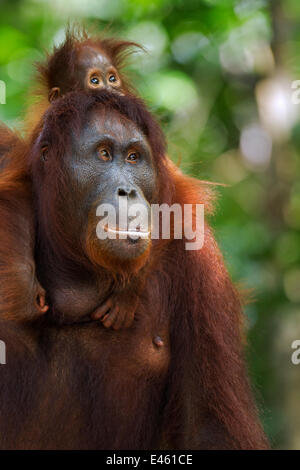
(40, 300)
(117, 311)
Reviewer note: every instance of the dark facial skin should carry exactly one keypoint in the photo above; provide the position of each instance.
(93, 71)
(110, 159)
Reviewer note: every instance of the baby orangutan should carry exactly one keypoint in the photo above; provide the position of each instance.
(85, 63)
(81, 63)
(21, 295)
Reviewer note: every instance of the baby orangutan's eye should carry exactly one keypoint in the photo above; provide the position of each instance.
(104, 154)
(94, 80)
(112, 78)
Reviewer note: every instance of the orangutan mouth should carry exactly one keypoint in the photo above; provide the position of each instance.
(135, 234)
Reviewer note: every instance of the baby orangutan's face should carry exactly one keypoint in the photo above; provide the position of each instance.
(93, 71)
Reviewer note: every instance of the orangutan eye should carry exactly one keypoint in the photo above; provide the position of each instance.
(95, 80)
(44, 152)
(132, 157)
(104, 154)
(112, 78)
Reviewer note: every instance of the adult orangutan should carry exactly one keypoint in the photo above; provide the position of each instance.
(7, 140)
(69, 383)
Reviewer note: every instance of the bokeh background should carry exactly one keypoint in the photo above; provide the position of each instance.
(219, 76)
